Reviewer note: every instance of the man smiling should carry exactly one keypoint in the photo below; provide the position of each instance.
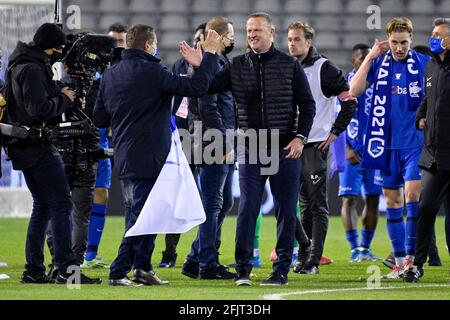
(272, 93)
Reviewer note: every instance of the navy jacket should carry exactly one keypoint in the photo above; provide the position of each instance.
(135, 99)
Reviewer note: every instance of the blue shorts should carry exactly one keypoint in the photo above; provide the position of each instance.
(403, 166)
(103, 174)
(354, 177)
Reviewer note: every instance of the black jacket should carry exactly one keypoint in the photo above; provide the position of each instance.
(435, 108)
(33, 99)
(135, 98)
(333, 83)
(271, 91)
(215, 111)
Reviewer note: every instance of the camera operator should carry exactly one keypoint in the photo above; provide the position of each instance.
(81, 171)
(82, 153)
(34, 100)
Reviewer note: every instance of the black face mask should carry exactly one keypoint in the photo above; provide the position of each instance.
(229, 48)
(55, 57)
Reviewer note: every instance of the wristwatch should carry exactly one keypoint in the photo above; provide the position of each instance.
(303, 138)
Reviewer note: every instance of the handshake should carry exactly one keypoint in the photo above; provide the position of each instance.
(212, 44)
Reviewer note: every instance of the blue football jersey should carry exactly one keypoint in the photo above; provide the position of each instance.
(402, 132)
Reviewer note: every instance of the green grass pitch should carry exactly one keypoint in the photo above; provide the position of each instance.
(340, 280)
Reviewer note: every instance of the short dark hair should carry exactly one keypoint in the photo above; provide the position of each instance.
(201, 27)
(360, 46)
(264, 15)
(307, 29)
(138, 35)
(218, 24)
(117, 27)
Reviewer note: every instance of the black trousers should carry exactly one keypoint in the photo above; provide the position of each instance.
(82, 195)
(49, 187)
(313, 202)
(435, 185)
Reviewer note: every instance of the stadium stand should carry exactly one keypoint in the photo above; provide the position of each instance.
(339, 23)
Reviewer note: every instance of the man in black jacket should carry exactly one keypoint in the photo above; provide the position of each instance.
(432, 117)
(272, 94)
(135, 99)
(216, 115)
(33, 101)
(327, 82)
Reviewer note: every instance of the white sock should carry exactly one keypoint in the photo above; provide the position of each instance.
(295, 250)
(256, 252)
(400, 262)
(411, 258)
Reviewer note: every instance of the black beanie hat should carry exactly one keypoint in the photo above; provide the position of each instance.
(48, 36)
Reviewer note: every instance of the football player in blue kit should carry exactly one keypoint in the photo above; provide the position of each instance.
(354, 176)
(99, 208)
(393, 144)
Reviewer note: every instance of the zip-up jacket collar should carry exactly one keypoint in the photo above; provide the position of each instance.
(256, 57)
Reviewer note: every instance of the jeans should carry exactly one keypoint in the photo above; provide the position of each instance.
(217, 198)
(127, 192)
(49, 187)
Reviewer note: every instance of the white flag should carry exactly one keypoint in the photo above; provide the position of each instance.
(174, 204)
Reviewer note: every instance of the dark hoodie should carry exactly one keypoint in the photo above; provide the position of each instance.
(435, 108)
(33, 99)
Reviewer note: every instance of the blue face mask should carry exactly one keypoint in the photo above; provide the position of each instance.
(156, 52)
(437, 45)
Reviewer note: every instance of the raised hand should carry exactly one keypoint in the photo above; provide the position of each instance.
(192, 55)
(379, 48)
(212, 43)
